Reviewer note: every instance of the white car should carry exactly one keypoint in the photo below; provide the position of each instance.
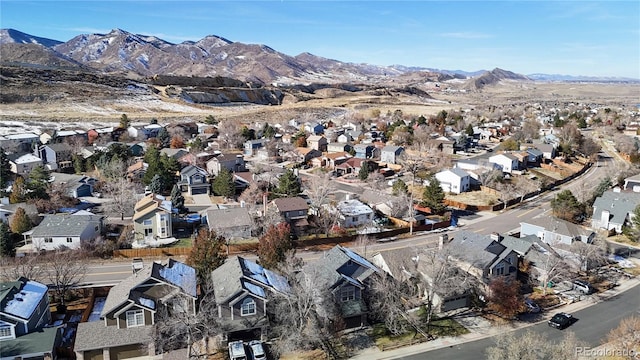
(256, 350)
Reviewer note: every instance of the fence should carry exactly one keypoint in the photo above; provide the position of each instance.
(152, 252)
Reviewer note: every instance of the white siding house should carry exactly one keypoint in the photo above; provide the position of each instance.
(507, 161)
(454, 180)
(354, 213)
(64, 231)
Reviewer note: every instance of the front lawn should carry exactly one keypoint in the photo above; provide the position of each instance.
(183, 242)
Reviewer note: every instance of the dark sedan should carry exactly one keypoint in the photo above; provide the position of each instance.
(561, 320)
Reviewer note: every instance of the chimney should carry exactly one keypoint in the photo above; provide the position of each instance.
(496, 237)
(441, 240)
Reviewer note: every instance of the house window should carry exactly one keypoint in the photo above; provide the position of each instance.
(96, 228)
(69, 240)
(499, 269)
(135, 318)
(48, 240)
(248, 307)
(5, 331)
(347, 293)
(147, 222)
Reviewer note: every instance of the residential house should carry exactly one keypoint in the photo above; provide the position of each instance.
(252, 146)
(125, 327)
(354, 213)
(445, 145)
(614, 209)
(303, 155)
(174, 153)
(137, 149)
(534, 156)
(194, 180)
(152, 218)
(313, 128)
(366, 151)
(353, 165)
(56, 156)
(347, 277)
(189, 129)
(390, 154)
(24, 316)
(70, 136)
(74, 185)
(317, 142)
(144, 132)
(25, 142)
(136, 171)
(454, 180)
(331, 160)
(477, 166)
(548, 150)
(187, 159)
(242, 290)
(483, 255)
(230, 161)
(23, 163)
(555, 231)
(64, 231)
(232, 223)
(294, 210)
(632, 183)
(339, 147)
(508, 162)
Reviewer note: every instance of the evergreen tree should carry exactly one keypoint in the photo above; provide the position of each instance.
(363, 174)
(288, 184)
(18, 191)
(206, 254)
(433, 195)
(469, 130)
(169, 168)
(38, 183)
(210, 120)
(152, 157)
(268, 131)
(399, 187)
(196, 145)
(177, 199)
(604, 185)
(78, 164)
(20, 222)
(223, 184)
(566, 206)
(124, 121)
(164, 138)
(5, 169)
(155, 186)
(7, 247)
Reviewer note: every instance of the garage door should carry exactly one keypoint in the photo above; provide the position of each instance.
(455, 303)
(198, 191)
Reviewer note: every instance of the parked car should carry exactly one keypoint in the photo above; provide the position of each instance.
(256, 350)
(583, 286)
(561, 320)
(236, 351)
(531, 306)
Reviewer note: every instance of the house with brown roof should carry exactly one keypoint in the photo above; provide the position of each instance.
(136, 171)
(293, 210)
(331, 160)
(124, 328)
(152, 218)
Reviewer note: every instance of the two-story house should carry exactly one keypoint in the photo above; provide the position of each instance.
(125, 327)
(23, 163)
(251, 147)
(556, 231)
(24, 315)
(347, 276)
(56, 156)
(74, 185)
(242, 290)
(313, 128)
(366, 151)
(293, 210)
(354, 213)
(483, 255)
(391, 154)
(135, 172)
(194, 181)
(613, 210)
(230, 161)
(64, 231)
(152, 218)
(508, 162)
(454, 180)
(317, 142)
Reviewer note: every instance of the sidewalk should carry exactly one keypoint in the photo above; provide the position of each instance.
(483, 331)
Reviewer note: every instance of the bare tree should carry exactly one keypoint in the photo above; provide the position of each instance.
(229, 134)
(376, 180)
(65, 270)
(591, 255)
(326, 219)
(626, 336)
(122, 195)
(531, 129)
(525, 186)
(318, 189)
(491, 178)
(387, 302)
(549, 265)
(29, 266)
(533, 346)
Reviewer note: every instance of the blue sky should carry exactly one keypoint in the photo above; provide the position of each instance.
(554, 37)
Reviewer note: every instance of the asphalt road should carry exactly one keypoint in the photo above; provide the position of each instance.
(593, 324)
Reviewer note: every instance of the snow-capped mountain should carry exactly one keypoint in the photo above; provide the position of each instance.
(14, 36)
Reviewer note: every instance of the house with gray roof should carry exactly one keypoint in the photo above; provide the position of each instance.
(23, 163)
(632, 183)
(390, 154)
(454, 180)
(194, 180)
(24, 315)
(556, 231)
(508, 162)
(231, 161)
(56, 156)
(347, 276)
(232, 223)
(614, 209)
(125, 326)
(242, 290)
(74, 185)
(484, 256)
(354, 213)
(63, 231)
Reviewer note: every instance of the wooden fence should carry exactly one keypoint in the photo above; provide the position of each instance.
(152, 252)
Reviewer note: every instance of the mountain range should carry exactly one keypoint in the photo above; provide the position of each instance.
(124, 53)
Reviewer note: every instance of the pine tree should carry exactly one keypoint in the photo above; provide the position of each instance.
(206, 254)
(566, 206)
(38, 183)
(274, 245)
(433, 195)
(288, 184)
(7, 247)
(124, 121)
(5, 169)
(156, 184)
(78, 164)
(20, 222)
(223, 184)
(363, 174)
(177, 199)
(399, 187)
(164, 138)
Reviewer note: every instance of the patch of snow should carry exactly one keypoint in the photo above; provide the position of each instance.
(622, 262)
(242, 57)
(144, 60)
(25, 302)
